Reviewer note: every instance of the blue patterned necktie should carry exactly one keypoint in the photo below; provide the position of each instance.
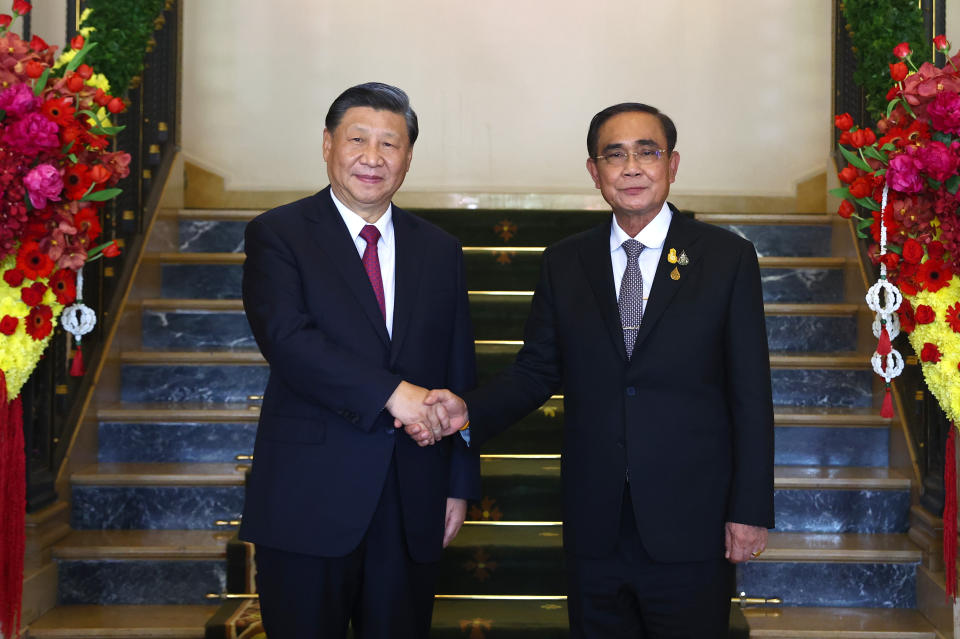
(631, 295)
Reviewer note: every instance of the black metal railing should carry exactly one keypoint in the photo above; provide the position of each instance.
(927, 424)
(53, 401)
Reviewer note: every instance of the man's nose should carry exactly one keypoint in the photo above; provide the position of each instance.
(370, 154)
(633, 166)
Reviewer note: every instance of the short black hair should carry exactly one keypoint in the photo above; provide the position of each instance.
(669, 128)
(376, 95)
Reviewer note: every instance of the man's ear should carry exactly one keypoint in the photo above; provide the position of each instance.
(674, 165)
(593, 171)
(327, 144)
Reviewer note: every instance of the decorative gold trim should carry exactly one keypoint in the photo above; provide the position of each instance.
(504, 249)
(550, 456)
(504, 293)
(484, 522)
(505, 597)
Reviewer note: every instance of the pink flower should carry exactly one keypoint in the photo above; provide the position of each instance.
(944, 112)
(43, 183)
(903, 174)
(31, 134)
(938, 162)
(19, 100)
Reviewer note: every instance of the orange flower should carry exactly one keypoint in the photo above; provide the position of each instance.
(39, 322)
(32, 262)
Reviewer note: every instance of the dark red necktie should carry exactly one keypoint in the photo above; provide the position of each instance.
(372, 263)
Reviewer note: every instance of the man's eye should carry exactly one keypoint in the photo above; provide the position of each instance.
(617, 155)
(357, 140)
(649, 153)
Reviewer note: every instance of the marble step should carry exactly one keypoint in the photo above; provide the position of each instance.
(806, 498)
(838, 623)
(165, 496)
(827, 380)
(177, 433)
(123, 622)
(112, 567)
(794, 235)
(218, 275)
(189, 324)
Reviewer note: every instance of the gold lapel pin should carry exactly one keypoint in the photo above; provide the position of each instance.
(684, 260)
(672, 256)
(675, 273)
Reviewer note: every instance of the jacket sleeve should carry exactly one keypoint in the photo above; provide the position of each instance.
(462, 376)
(297, 350)
(750, 397)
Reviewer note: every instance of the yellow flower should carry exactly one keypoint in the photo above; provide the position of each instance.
(943, 377)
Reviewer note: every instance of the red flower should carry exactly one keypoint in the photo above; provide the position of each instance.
(77, 42)
(5, 20)
(861, 187)
(88, 223)
(924, 314)
(60, 110)
(21, 7)
(99, 173)
(907, 320)
(891, 259)
(912, 251)
(116, 105)
(8, 325)
(33, 295)
(934, 275)
(37, 44)
(898, 71)
(848, 174)
(862, 137)
(34, 69)
(902, 50)
(940, 42)
(843, 121)
(846, 209)
(112, 250)
(85, 71)
(935, 250)
(845, 138)
(33, 262)
(893, 92)
(953, 317)
(75, 83)
(63, 283)
(38, 322)
(13, 277)
(930, 353)
(76, 181)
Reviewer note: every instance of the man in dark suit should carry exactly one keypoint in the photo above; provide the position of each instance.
(652, 325)
(358, 307)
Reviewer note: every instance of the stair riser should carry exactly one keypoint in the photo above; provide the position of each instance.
(115, 582)
(228, 330)
(537, 498)
(236, 383)
(175, 442)
(499, 570)
(155, 507)
(485, 272)
(861, 585)
(537, 434)
(541, 228)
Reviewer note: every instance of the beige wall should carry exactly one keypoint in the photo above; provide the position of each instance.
(505, 88)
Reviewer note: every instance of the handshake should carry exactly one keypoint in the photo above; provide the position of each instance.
(427, 416)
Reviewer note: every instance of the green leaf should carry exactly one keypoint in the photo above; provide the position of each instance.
(953, 184)
(865, 224)
(894, 248)
(907, 108)
(892, 105)
(41, 82)
(3, 114)
(867, 203)
(940, 136)
(107, 130)
(72, 157)
(66, 147)
(78, 59)
(872, 152)
(889, 146)
(841, 191)
(102, 196)
(934, 184)
(854, 159)
(862, 235)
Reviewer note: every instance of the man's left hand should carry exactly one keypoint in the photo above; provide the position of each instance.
(456, 513)
(744, 542)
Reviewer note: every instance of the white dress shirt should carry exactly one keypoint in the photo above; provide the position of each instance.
(386, 250)
(652, 237)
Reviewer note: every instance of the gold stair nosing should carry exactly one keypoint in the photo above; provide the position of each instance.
(142, 544)
(791, 622)
(103, 622)
(159, 474)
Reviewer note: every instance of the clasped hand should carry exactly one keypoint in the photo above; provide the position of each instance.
(427, 416)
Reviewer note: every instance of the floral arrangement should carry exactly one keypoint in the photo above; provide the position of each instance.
(57, 170)
(911, 163)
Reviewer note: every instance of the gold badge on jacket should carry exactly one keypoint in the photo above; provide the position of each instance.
(681, 260)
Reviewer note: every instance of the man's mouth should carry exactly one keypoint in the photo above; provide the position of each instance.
(369, 179)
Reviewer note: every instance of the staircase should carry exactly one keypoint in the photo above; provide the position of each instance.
(152, 519)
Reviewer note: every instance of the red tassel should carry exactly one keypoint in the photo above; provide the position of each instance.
(950, 514)
(883, 346)
(77, 369)
(886, 409)
(13, 498)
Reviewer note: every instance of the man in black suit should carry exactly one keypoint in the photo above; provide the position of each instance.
(358, 307)
(652, 325)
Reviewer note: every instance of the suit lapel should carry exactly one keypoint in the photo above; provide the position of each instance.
(681, 235)
(334, 240)
(599, 271)
(407, 254)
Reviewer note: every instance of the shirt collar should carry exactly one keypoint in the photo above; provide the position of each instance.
(355, 223)
(652, 236)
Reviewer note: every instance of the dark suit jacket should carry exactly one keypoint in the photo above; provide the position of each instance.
(324, 441)
(690, 415)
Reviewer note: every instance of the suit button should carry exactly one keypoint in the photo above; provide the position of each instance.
(631, 391)
(389, 430)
